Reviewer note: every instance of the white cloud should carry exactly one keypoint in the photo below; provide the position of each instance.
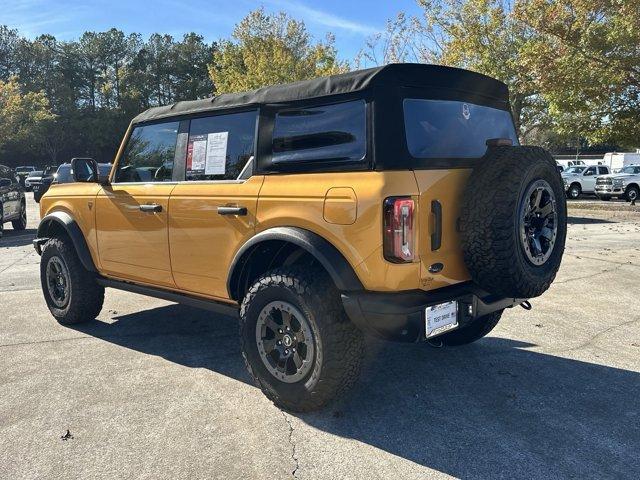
(313, 15)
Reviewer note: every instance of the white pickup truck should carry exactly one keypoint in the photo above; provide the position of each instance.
(624, 184)
(581, 179)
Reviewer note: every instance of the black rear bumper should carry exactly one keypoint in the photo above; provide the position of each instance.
(401, 316)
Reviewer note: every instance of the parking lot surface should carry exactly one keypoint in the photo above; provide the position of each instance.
(157, 390)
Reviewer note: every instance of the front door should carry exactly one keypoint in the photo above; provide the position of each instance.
(589, 179)
(212, 213)
(132, 212)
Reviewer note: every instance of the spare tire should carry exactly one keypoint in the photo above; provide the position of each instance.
(513, 221)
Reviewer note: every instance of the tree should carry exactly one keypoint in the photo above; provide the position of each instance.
(586, 61)
(22, 115)
(270, 49)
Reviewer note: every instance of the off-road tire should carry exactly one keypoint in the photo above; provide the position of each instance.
(632, 193)
(574, 191)
(489, 222)
(339, 345)
(21, 222)
(85, 297)
(477, 329)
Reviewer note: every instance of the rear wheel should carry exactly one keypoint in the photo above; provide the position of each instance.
(21, 222)
(574, 191)
(297, 342)
(71, 292)
(477, 329)
(632, 193)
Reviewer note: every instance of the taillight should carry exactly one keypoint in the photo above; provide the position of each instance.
(399, 238)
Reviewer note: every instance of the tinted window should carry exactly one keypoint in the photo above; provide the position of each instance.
(326, 133)
(590, 171)
(220, 146)
(63, 175)
(448, 129)
(603, 170)
(148, 156)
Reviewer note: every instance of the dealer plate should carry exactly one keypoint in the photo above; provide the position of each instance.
(441, 318)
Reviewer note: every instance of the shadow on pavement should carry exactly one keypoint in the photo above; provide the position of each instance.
(492, 409)
(12, 238)
(586, 220)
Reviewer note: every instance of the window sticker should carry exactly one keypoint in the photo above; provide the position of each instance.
(196, 154)
(216, 153)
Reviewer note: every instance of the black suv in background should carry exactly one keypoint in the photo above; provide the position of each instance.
(13, 207)
(63, 175)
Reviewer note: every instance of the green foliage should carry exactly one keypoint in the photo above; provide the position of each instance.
(22, 115)
(95, 85)
(270, 49)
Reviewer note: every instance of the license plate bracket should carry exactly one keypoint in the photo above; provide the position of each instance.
(441, 318)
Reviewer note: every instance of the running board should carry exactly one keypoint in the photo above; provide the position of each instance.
(190, 300)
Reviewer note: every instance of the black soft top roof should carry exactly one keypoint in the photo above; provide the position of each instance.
(393, 75)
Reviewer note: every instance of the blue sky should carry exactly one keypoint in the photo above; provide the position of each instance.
(351, 21)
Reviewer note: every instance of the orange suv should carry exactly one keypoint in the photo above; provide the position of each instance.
(394, 201)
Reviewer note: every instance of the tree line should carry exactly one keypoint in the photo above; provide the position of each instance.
(573, 69)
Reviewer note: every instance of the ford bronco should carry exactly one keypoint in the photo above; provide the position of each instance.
(394, 201)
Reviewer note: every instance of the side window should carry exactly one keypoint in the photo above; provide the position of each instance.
(148, 156)
(328, 133)
(5, 177)
(590, 171)
(221, 146)
(603, 170)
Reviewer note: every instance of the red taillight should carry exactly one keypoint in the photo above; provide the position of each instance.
(399, 241)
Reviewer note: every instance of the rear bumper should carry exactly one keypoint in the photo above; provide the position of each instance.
(401, 316)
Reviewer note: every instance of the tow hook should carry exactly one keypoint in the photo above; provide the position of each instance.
(526, 305)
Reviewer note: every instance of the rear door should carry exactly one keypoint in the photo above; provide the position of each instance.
(212, 212)
(453, 135)
(132, 212)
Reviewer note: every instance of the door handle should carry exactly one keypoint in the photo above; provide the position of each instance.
(151, 207)
(436, 236)
(232, 210)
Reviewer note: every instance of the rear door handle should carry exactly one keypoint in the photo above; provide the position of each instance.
(436, 236)
(151, 207)
(232, 210)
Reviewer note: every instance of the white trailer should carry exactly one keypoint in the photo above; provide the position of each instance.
(617, 160)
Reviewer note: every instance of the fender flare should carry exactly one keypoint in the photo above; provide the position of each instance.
(70, 226)
(323, 251)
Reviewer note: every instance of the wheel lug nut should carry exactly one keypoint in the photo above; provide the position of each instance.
(286, 352)
(279, 330)
(279, 342)
(293, 349)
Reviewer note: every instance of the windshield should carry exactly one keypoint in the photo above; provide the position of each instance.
(575, 169)
(449, 129)
(630, 169)
(63, 175)
(24, 169)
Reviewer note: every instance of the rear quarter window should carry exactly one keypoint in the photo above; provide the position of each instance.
(451, 129)
(326, 134)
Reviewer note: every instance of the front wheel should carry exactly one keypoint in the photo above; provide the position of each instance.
(477, 329)
(21, 222)
(298, 343)
(71, 292)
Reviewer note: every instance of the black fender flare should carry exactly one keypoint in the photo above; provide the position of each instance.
(323, 251)
(70, 226)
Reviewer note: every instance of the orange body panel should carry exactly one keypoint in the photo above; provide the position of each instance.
(203, 242)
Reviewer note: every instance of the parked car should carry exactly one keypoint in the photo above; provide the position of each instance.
(582, 179)
(32, 179)
(394, 201)
(13, 206)
(23, 172)
(625, 184)
(41, 185)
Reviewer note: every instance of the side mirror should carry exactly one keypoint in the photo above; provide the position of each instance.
(84, 170)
